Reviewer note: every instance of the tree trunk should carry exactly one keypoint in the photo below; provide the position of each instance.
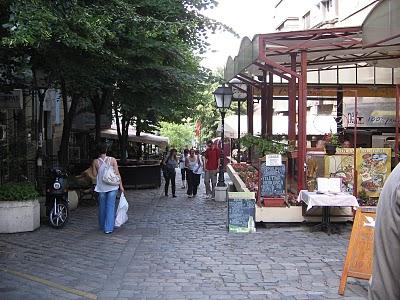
(98, 102)
(63, 156)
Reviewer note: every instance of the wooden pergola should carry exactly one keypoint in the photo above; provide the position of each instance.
(294, 56)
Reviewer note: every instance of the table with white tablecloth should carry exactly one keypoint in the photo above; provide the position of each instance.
(326, 201)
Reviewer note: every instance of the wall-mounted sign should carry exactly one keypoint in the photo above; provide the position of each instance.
(12, 100)
(371, 112)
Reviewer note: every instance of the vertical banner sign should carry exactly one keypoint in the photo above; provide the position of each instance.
(374, 166)
(341, 165)
(241, 211)
(272, 181)
(358, 262)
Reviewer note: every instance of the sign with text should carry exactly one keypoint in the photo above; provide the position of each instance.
(358, 262)
(272, 180)
(273, 159)
(241, 211)
(371, 112)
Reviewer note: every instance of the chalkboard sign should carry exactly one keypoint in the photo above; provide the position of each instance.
(272, 181)
(239, 212)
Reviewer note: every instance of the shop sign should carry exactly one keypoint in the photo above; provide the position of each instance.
(371, 112)
(12, 100)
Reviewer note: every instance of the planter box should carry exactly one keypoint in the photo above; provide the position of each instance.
(274, 202)
(293, 214)
(237, 181)
(19, 216)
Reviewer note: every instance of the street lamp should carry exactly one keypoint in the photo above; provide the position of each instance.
(223, 99)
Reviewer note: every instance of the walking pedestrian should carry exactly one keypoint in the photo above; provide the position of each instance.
(211, 157)
(192, 165)
(182, 166)
(107, 193)
(198, 169)
(385, 280)
(169, 165)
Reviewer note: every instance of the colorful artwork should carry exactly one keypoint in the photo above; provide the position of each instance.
(374, 166)
(341, 165)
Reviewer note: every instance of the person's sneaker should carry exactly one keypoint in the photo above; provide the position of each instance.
(173, 196)
(190, 196)
(107, 232)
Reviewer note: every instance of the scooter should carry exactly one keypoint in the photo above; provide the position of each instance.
(57, 198)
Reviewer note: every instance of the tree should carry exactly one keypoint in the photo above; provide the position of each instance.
(180, 135)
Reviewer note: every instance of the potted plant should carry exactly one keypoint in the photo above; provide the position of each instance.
(19, 207)
(331, 143)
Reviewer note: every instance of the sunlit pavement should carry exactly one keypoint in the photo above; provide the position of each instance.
(173, 248)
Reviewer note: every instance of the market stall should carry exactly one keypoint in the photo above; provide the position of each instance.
(140, 171)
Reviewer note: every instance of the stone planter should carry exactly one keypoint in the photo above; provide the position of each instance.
(19, 216)
(268, 214)
(237, 181)
(293, 214)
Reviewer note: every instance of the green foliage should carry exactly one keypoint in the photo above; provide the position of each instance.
(180, 135)
(18, 191)
(263, 145)
(143, 53)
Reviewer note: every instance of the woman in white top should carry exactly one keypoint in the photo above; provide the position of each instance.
(193, 179)
(106, 192)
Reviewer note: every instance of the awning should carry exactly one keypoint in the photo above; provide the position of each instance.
(326, 50)
(145, 138)
(382, 28)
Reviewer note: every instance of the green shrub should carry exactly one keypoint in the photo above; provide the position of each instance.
(18, 191)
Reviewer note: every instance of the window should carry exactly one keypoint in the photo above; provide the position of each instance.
(306, 21)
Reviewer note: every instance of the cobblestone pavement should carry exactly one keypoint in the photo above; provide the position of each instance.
(173, 248)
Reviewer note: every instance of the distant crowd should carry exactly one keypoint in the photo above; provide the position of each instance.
(193, 166)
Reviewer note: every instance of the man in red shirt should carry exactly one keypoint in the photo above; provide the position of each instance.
(211, 169)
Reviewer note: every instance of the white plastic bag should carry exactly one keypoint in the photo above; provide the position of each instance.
(122, 211)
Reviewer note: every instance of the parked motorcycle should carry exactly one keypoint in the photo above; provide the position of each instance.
(57, 198)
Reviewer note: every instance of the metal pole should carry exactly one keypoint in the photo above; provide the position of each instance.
(221, 180)
(396, 144)
(355, 192)
(238, 141)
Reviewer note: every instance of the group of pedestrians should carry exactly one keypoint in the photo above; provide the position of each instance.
(193, 166)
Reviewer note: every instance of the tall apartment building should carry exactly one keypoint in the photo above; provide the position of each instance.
(305, 14)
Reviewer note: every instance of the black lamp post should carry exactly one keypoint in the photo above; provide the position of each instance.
(223, 99)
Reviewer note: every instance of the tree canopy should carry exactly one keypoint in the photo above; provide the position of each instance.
(140, 55)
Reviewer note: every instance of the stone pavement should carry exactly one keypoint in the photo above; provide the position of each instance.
(173, 248)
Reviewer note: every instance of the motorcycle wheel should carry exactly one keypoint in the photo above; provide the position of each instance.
(58, 215)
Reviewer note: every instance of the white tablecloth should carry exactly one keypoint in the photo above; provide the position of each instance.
(314, 199)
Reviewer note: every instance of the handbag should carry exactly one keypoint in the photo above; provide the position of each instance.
(109, 176)
(122, 211)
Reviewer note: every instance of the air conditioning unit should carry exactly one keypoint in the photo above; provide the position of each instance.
(3, 133)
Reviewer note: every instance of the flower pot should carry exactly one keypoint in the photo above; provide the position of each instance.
(330, 149)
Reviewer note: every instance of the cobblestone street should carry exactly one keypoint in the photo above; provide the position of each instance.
(173, 248)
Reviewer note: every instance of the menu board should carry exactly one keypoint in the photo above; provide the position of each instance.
(374, 166)
(272, 181)
(241, 211)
